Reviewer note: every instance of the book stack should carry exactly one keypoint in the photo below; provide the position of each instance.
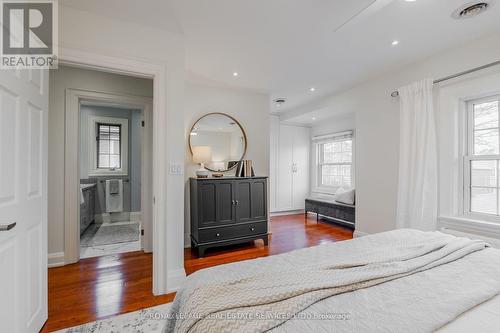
(245, 169)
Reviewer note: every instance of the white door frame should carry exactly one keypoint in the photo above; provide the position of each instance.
(157, 72)
(74, 98)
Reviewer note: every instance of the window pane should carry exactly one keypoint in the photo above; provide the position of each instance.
(104, 147)
(483, 200)
(114, 161)
(486, 142)
(486, 115)
(337, 152)
(336, 175)
(103, 161)
(484, 173)
(114, 147)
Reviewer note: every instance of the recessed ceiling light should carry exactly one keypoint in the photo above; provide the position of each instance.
(313, 118)
(410, 0)
(312, 89)
(395, 42)
(471, 9)
(235, 74)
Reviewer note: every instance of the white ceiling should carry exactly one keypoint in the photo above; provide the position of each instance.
(284, 47)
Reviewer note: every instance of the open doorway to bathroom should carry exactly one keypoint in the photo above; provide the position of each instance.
(110, 178)
(100, 178)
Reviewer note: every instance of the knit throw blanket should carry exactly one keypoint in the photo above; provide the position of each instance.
(261, 301)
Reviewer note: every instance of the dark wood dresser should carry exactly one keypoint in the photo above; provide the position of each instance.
(227, 211)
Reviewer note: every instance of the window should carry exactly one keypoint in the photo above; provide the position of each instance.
(108, 146)
(334, 161)
(482, 163)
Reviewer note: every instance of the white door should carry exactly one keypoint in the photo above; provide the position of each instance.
(301, 144)
(23, 200)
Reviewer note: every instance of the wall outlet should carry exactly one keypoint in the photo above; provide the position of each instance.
(176, 169)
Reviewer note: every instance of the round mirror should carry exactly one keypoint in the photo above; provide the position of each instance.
(218, 141)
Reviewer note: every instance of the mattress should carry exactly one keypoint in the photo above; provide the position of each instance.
(432, 300)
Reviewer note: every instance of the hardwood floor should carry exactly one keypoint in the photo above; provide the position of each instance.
(96, 288)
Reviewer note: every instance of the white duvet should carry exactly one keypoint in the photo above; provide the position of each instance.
(421, 302)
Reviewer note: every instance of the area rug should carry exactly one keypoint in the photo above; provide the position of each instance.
(149, 320)
(103, 234)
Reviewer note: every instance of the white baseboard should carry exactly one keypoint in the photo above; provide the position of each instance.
(113, 217)
(175, 279)
(187, 241)
(135, 216)
(359, 234)
(55, 259)
(286, 212)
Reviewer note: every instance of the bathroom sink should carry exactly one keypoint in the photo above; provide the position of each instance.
(85, 186)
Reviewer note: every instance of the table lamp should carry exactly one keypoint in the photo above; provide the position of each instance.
(202, 155)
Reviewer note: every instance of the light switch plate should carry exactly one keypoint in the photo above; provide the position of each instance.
(176, 169)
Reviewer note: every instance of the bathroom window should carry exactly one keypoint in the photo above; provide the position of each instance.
(108, 146)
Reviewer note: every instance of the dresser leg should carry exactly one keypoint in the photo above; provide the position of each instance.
(201, 251)
(266, 240)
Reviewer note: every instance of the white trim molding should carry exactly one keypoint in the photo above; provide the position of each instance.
(471, 226)
(358, 233)
(55, 259)
(160, 157)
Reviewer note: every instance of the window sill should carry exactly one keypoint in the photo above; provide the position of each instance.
(108, 173)
(470, 225)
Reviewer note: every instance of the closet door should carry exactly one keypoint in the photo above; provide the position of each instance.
(300, 166)
(284, 199)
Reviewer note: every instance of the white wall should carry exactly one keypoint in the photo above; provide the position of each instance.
(377, 127)
(99, 34)
(59, 81)
(251, 109)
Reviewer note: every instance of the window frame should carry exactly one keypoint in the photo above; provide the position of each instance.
(469, 157)
(93, 129)
(98, 139)
(317, 175)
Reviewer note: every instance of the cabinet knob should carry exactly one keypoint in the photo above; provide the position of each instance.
(252, 229)
(237, 202)
(218, 235)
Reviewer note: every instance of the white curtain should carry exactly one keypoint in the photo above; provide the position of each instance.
(418, 169)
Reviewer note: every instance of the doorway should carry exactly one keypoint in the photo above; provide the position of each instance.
(110, 163)
(107, 170)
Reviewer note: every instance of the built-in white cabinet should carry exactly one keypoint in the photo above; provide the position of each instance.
(289, 166)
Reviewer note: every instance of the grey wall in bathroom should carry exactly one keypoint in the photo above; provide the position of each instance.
(131, 189)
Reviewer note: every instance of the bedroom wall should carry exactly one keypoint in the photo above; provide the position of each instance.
(250, 108)
(81, 30)
(377, 127)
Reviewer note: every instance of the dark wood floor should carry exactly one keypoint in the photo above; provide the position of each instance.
(96, 288)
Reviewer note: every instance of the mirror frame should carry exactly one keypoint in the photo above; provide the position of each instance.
(237, 123)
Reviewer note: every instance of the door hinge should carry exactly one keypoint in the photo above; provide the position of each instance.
(142, 232)
(143, 123)
(154, 200)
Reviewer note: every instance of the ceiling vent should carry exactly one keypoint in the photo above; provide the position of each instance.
(471, 9)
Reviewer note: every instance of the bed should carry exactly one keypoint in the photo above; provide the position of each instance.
(398, 281)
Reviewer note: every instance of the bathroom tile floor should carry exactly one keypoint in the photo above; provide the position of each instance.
(102, 250)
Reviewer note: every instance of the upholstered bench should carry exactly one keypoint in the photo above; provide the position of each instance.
(333, 211)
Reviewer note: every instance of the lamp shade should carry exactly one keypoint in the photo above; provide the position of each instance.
(202, 154)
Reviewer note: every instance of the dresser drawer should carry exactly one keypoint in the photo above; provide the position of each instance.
(229, 232)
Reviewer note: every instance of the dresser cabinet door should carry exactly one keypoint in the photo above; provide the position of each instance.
(259, 199)
(224, 202)
(243, 197)
(216, 203)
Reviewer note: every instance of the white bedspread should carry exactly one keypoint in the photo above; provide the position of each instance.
(421, 302)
